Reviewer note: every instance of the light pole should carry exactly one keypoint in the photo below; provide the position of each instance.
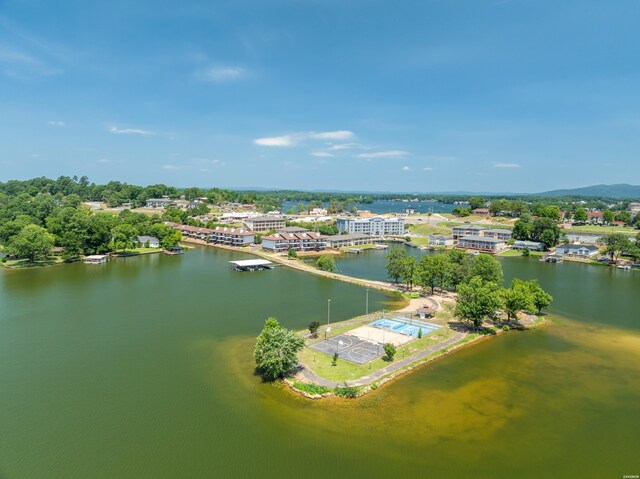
(328, 313)
(367, 307)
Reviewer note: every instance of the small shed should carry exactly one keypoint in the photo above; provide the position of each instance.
(425, 311)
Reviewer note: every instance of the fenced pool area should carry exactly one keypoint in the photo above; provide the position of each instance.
(409, 327)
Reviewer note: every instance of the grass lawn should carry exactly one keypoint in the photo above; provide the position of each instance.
(134, 251)
(427, 229)
(515, 252)
(361, 246)
(602, 230)
(25, 263)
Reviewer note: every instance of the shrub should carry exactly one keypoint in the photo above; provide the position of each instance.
(311, 388)
(313, 328)
(326, 263)
(505, 328)
(390, 351)
(492, 331)
(334, 361)
(374, 386)
(420, 333)
(346, 391)
(292, 253)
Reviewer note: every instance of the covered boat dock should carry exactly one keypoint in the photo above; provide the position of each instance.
(251, 265)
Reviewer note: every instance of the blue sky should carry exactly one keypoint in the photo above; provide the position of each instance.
(495, 95)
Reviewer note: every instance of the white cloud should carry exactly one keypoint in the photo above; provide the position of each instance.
(295, 138)
(130, 131)
(332, 135)
(222, 74)
(321, 154)
(384, 154)
(285, 140)
(406, 168)
(171, 167)
(427, 168)
(506, 165)
(56, 123)
(349, 146)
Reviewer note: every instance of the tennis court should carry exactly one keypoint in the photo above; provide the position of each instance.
(410, 327)
(350, 348)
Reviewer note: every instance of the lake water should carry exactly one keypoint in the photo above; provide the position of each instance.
(381, 207)
(142, 368)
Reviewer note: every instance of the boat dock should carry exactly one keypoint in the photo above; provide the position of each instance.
(252, 265)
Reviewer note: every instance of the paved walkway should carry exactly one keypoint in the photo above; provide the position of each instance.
(395, 366)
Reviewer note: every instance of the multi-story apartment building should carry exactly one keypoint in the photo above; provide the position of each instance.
(376, 226)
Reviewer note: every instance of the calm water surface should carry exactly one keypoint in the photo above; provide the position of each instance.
(142, 368)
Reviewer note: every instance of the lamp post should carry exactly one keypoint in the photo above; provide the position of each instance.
(367, 307)
(328, 313)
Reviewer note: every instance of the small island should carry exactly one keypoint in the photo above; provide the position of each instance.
(453, 299)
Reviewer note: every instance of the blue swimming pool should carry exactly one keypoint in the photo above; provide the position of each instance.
(405, 326)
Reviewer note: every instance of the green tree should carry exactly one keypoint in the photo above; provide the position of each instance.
(326, 263)
(616, 244)
(408, 270)
(541, 299)
(476, 202)
(477, 300)
(608, 216)
(276, 350)
(434, 270)
(389, 351)
(523, 228)
(518, 297)
(313, 328)
(487, 267)
(292, 253)
(546, 230)
(33, 242)
(395, 264)
(124, 236)
(580, 216)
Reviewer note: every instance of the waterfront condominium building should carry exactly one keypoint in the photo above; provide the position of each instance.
(376, 226)
(265, 223)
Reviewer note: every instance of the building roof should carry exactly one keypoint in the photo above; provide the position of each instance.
(347, 237)
(481, 238)
(265, 218)
(233, 231)
(144, 239)
(524, 242)
(590, 247)
(498, 230)
(310, 235)
(467, 227)
(251, 262)
(292, 229)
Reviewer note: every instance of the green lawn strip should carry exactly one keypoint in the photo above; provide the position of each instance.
(360, 247)
(25, 263)
(321, 364)
(601, 230)
(428, 229)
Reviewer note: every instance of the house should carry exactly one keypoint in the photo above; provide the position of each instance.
(304, 241)
(501, 234)
(318, 212)
(148, 242)
(595, 217)
(480, 211)
(530, 245)
(578, 250)
(264, 223)
(160, 202)
(441, 240)
(634, 209)
(340, 241)
(466, 230)
(376, 225)
(480, 243)
(192, 231)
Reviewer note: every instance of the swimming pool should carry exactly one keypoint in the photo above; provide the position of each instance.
(409, 327)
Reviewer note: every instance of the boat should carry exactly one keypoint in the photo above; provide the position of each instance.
(624, 267)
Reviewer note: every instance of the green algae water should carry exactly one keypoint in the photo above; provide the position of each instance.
(142, 368)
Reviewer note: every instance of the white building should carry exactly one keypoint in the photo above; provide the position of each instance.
(151, 241)
(530, 245)
(579, 250)
(376, 226)
(441, 240)
(480, 243)
(264, 223)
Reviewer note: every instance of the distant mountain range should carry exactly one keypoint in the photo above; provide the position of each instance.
(622, 190)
